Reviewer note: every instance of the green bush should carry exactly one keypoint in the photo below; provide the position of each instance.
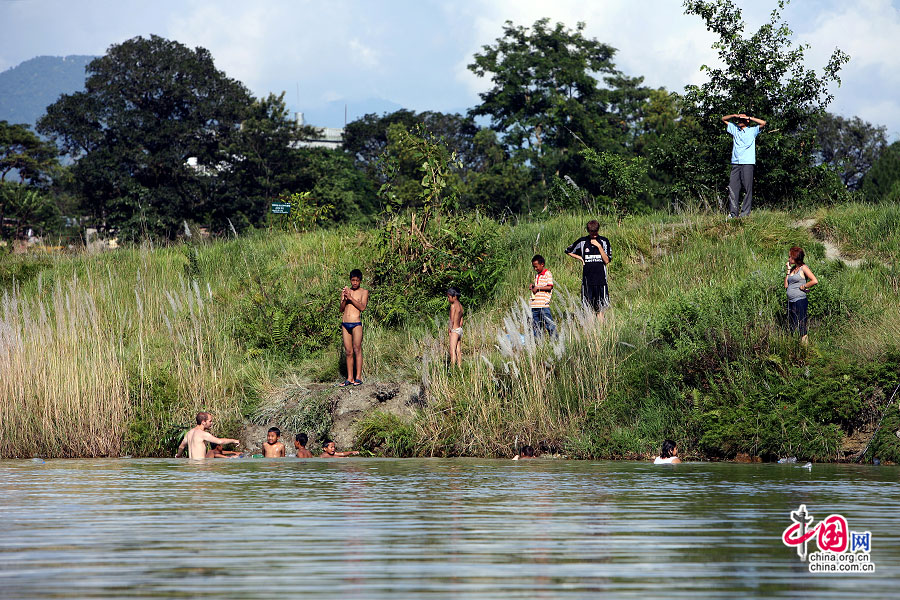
(386, 434)
(413, 271)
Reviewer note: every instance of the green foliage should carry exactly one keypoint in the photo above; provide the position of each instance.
(297, 410)
(438, 189)
(283, 322)
(624, 180)
(414, 269)
(23, 151)
(154, 401)
(386, 434)
(850, 146)
(305, 213)
(148, 106)
(19, 269)
(546, 98)
(764, 76)
(881, 180)
(29, 207)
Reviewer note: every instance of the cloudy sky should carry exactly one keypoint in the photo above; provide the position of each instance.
(377, 55)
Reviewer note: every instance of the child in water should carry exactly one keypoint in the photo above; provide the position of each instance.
(456, 330)
(273, 448)
(328, 451)
(216, 451)
(300, 444)
(526, 453)
(668, 454)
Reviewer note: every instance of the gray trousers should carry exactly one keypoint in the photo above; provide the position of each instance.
(741, 175)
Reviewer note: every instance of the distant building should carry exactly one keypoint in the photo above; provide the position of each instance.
(329, 137)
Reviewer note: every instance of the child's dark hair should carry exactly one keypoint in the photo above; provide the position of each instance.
(453, 292)
(668, 447)
(356, 273)
(527, 451)
(301, 438)
(325, 442)
(276, 430)
(539, 259)
(593, 226)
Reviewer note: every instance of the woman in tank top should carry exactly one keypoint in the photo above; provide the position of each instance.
(668, 454)
(798, 280)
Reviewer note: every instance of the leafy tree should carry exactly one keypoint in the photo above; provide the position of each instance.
(332, 179)
(148, 106)
(269, 160)
(884, 176)
(23, 151)
(496, 183)
(764, 75)
(28, 206)
(850, 146)
(547, 101)
(366, 138)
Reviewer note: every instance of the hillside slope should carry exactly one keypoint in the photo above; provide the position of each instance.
(113, 353)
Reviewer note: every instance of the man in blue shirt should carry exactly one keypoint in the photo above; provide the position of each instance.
(743, 159)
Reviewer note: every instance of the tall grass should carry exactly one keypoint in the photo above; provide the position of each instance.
(517, 388)
(63, 384)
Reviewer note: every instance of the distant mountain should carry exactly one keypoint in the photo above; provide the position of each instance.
(29, 88)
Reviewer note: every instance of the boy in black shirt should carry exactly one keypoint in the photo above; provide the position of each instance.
(594, 252)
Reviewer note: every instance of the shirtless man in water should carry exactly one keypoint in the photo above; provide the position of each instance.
(196, 438)
(353, 302)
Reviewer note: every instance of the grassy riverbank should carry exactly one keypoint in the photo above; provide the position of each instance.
(113, 353)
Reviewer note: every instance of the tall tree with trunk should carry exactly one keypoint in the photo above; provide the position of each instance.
(150, 105)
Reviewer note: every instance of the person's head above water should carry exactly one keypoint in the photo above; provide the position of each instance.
(300, 440)
(668, 450)
(527, 451)
(204, 419)
(593, 226)
(355, 278)
(273, 434)
(328, 446)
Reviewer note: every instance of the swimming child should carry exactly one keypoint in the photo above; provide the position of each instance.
(273, 448)
(353, 302)
(216, 451)
(300, 441)
(526, 453)
(328, 451)
(456, 330)
(668, 454)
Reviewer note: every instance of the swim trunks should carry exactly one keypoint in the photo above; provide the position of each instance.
(350, 326)
(457, 331)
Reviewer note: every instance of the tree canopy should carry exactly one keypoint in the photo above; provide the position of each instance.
(149, 105)
(763, 75)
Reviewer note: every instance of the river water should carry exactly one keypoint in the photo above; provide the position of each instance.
(432, 528)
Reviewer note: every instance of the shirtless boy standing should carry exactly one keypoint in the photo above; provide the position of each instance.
(328, 451)
(300, 444)
(196, 438)
(353, 302)
(273, 448)
(456, 330)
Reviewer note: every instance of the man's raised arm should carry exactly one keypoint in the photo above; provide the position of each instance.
(759, 122)
(727, 118)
